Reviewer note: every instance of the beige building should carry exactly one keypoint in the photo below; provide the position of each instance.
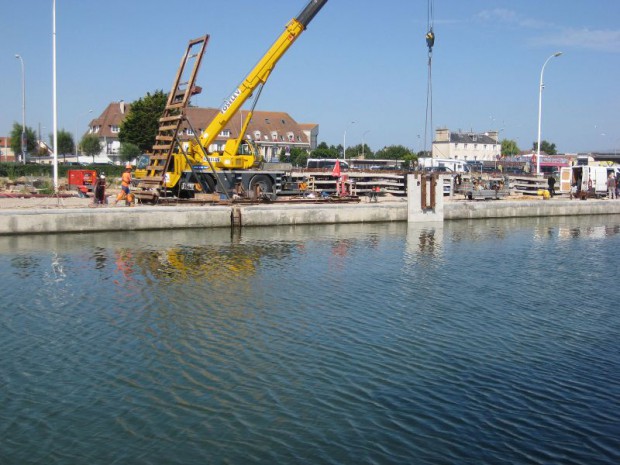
(467, 146)
(273, 132)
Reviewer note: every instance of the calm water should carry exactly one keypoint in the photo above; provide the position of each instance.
(474, 343)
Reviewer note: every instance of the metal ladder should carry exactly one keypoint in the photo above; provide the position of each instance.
(171, 120)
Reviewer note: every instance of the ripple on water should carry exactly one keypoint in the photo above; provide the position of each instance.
(335, 345)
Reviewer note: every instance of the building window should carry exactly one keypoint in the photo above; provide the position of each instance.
(225, 133)
(189, 132)
(257, 135)
(267, 121)
(291, 137)
(114, 129)
(283, 121)
(274, 135)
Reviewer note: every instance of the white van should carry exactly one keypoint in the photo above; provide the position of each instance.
(584, 181)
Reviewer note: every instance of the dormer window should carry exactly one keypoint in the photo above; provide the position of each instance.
(257, 135)
(225, 133)
(274, 136)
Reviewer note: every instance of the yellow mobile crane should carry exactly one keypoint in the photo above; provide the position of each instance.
(178, 170)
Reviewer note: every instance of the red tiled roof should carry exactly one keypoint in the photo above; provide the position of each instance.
(113, 115)
(267, 123)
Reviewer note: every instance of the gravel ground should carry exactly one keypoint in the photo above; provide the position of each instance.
(13, 201)
(20, 203)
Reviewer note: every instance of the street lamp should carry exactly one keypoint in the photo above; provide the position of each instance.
(363, 143)
(344, 142)
(19, 57)
(77, 125)
(556, 54)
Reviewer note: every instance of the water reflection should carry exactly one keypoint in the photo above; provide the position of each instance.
(426, 239)
(216, 255)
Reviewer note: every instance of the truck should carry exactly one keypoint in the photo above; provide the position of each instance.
(183, 169)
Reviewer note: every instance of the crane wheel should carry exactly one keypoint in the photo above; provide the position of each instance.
(261, 186)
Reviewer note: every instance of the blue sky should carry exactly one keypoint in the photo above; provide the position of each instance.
(359, 61)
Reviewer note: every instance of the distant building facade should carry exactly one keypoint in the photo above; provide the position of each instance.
(6, 152)
(273, 132)
(467, 146)
(107, 127)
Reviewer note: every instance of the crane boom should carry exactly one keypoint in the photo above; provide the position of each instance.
(260, 73)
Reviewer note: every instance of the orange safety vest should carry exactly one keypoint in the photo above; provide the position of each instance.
(126, 179)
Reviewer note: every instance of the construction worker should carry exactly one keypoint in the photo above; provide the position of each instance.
(125, 184)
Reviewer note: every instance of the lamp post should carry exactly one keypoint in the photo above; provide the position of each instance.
(54, 97)
(363, 143)
(556, 54)
(344, 142)
(23, 141)
(77, 125)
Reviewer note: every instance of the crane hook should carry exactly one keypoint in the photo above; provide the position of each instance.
(430, 40)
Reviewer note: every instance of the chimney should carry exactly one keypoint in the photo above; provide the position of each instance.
(122, 105)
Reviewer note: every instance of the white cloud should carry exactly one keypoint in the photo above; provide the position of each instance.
(553, 34)
(502, 15)
(585, 39)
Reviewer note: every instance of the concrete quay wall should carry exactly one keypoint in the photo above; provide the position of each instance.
(270, 215)
(473, 210)
(61, 220)
(74, 220)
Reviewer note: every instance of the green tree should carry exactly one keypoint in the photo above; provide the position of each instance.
(395, 152)
(545, 146)
(357, 151)
(142, 122)
(509, 148)
(325, 151)
(129, 151)
(411, 159)
(65, 144)
(297, 156)
(16, 140)
(91, 145)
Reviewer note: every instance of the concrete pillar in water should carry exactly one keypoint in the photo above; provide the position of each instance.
(424, 197)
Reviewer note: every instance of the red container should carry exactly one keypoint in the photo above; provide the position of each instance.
(82, 179)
